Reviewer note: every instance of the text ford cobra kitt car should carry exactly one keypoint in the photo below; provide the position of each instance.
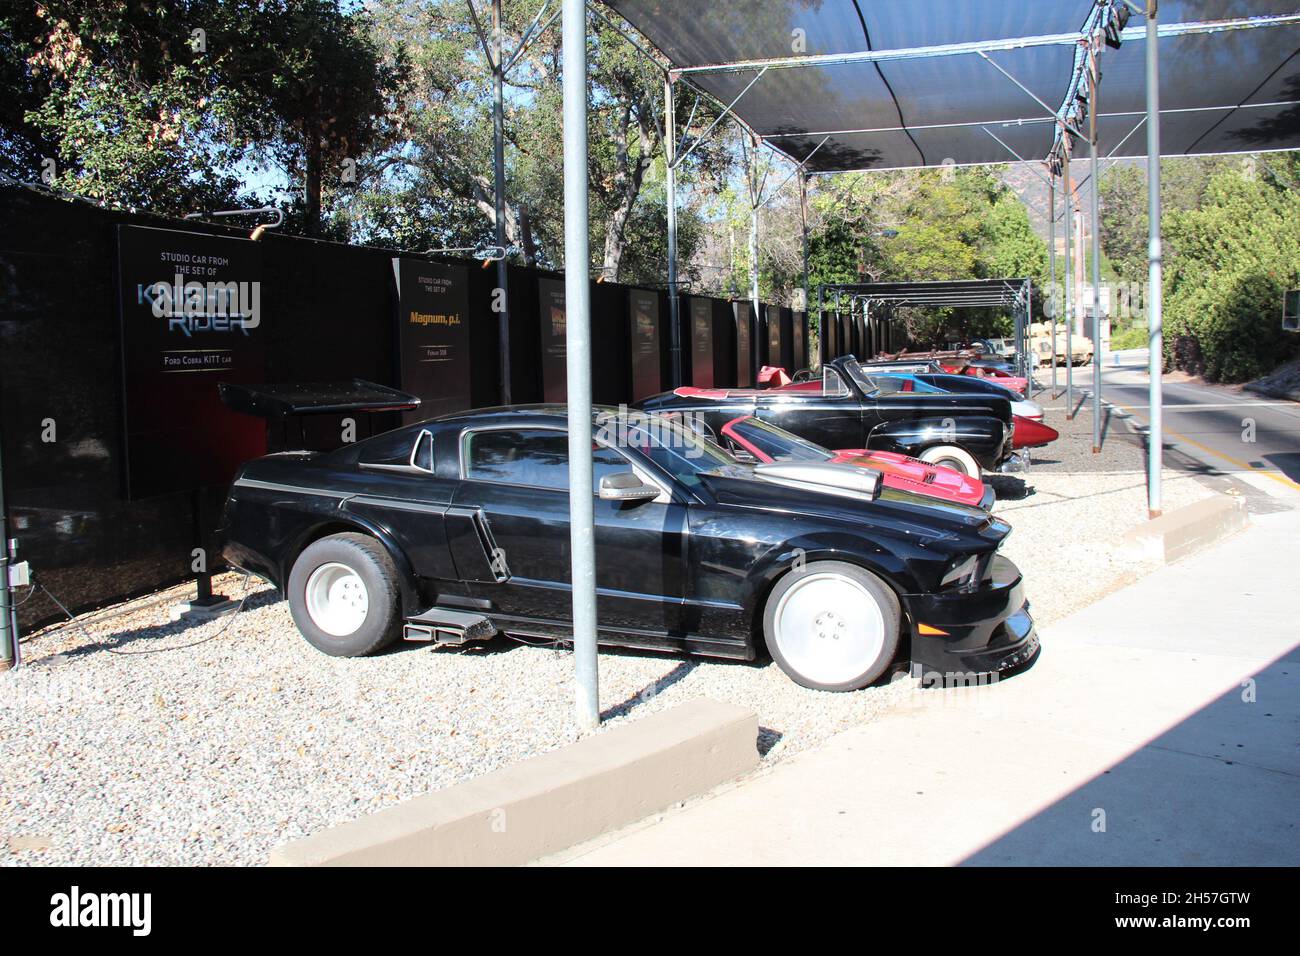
(853, 409)
(458, 528)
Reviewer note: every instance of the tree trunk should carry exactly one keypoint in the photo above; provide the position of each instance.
(526, 234)
(312, 194)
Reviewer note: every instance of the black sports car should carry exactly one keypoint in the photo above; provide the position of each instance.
(851, 408)
(458, 528)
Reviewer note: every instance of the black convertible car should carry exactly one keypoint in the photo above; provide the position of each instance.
(458, 528)
(851, 408)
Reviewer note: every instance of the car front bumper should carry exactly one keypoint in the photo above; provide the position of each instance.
(983, 631)
(1017, 463)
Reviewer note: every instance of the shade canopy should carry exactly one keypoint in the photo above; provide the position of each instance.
(954, 294)
(852, 84)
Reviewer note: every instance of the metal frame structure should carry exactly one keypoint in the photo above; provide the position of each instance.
(1015, 294)
(1067, 121)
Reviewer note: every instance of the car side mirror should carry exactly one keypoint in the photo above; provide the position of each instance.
(626, 486)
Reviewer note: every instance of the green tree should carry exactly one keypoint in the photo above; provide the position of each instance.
(950, 224)
(1238, 251)
(311, 91)
(443, 160)
(160, 104)
(129, 109)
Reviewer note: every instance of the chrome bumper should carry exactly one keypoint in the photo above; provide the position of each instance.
(1017, 463)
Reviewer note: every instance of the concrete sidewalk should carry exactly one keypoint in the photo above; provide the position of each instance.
(1160, 726)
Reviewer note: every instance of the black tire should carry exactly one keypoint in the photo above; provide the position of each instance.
(883, 599)
(367, 558)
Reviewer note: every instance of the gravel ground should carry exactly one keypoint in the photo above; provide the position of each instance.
(129, 739)
(116, 749)
(1070, 511)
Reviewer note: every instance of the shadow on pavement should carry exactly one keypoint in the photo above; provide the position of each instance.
(1218, 789)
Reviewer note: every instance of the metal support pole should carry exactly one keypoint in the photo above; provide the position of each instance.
(1027, 349)
(1096, 265)
(839, 346)
(499, 187)
(577, 291)
(1051, 258)
(1018, 331)
(803, 225)
(754, 326)
(1069, 288)
(822, 345)
(1155, 264)
(9, 651)
(670, 190)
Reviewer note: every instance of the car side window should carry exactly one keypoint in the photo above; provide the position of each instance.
(832, 385)
(536, 457)
(422, 452)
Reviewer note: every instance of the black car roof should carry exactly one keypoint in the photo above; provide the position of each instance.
(542, 413)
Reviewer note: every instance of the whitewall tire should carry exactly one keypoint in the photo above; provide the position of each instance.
(953, 457)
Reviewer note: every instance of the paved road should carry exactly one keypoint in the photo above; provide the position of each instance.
(1135, 717)
(1211, 423)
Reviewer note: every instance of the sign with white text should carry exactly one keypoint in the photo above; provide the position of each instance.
(190, 306)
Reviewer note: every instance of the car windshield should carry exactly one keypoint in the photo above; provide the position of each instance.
(674, 447)
(777, 443)
(873, 385)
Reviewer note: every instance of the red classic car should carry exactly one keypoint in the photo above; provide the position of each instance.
(1014, 382)
(767, 443)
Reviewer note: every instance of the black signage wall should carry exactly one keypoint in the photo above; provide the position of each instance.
(190, 310)
(773, 336)
(551, 317)
(744, 358)
(433, 336)
(701, 312)
(643, 325)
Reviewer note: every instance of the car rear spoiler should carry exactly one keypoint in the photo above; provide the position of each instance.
(296, 412)
(279, 401)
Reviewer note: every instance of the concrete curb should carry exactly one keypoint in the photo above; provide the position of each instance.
(1179, 533)
(550, 802)
(1273, 391)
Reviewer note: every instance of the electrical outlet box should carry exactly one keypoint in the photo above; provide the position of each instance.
(20, 574)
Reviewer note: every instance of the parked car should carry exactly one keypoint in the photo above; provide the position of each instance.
(1001, 348)
(994, 369)
(850, 408)
(1027, 428)
(947, 382)
(455, 529)
(750, 439)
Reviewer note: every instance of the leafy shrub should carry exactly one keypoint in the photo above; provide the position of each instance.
(1233, 258)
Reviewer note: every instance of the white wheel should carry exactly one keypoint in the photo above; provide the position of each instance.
(832, 626)
(337, 599)
(951, 456)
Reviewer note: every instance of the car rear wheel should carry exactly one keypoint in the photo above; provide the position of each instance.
(832, 626)
(343, 595)
(951, 456)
